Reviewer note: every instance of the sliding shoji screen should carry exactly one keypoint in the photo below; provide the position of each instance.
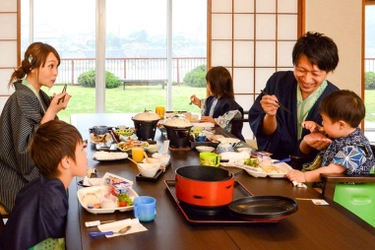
(252, 39)
(8, 46)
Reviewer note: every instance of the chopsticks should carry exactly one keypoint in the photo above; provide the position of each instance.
(281, 106)
(63, 91)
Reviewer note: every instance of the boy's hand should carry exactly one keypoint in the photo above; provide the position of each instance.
(317, 141)
(312, 126)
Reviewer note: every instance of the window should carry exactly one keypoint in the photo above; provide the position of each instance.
(369, 66)
(253, 39)
(136, 48)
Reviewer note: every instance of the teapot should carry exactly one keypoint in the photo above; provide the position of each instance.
(224, 147)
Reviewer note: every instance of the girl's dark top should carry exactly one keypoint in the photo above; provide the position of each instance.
(224, 105)
(20, 118)
(40, 212)
(283, 142)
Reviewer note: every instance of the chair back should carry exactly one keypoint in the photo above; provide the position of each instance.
(358, 197)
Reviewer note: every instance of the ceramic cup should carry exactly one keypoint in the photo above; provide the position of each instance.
(145, 208)
(200, 138)
(209, 159)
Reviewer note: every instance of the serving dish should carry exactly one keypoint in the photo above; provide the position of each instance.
(128, 145)
(109, 156)
(282, 168)
(94, 139)
(100, 191)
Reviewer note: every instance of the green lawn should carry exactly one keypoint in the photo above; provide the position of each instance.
(370, 105)
(133, 99)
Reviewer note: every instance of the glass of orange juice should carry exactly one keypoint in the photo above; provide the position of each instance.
(137, 154)
(160, 110)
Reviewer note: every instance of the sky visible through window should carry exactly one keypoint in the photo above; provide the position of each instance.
(74, 28)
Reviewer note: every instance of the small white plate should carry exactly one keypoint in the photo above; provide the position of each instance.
(205, 148)
(203, 124)
(100, 191)
(109, 156)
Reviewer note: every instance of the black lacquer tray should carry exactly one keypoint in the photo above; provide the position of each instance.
(219, 215)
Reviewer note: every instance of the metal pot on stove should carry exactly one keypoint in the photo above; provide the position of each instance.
(145, 125)
(178, 131)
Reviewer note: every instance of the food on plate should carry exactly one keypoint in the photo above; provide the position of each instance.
(273, 169)
(152, 148)
(127, 145)
(100, 138)
(116, 195)
(124, 132)
(214, 138)
(252, 162)
(124, 200)
(93, 199)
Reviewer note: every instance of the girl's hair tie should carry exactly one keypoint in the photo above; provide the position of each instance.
(30, 59)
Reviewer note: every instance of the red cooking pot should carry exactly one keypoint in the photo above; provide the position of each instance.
(204, 186)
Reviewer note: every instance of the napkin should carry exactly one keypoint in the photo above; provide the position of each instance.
(136, 227)
(299, 184)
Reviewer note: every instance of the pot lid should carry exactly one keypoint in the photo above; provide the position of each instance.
(178, 122)
(146, 116)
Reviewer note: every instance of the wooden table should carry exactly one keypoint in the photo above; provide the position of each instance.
(311, 227)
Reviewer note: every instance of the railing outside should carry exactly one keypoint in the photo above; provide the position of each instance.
(129, 68)
(369, 64)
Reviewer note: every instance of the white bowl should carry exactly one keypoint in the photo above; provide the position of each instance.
(152, 160)
(153, 148)
(148, 169)
(231, 141)
(247, 150)
(205, 148)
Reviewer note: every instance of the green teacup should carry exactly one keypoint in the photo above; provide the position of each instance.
(209, 159)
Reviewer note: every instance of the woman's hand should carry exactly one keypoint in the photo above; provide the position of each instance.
(59, 101)
(208, 119)
(55, 106)
(195, 100)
